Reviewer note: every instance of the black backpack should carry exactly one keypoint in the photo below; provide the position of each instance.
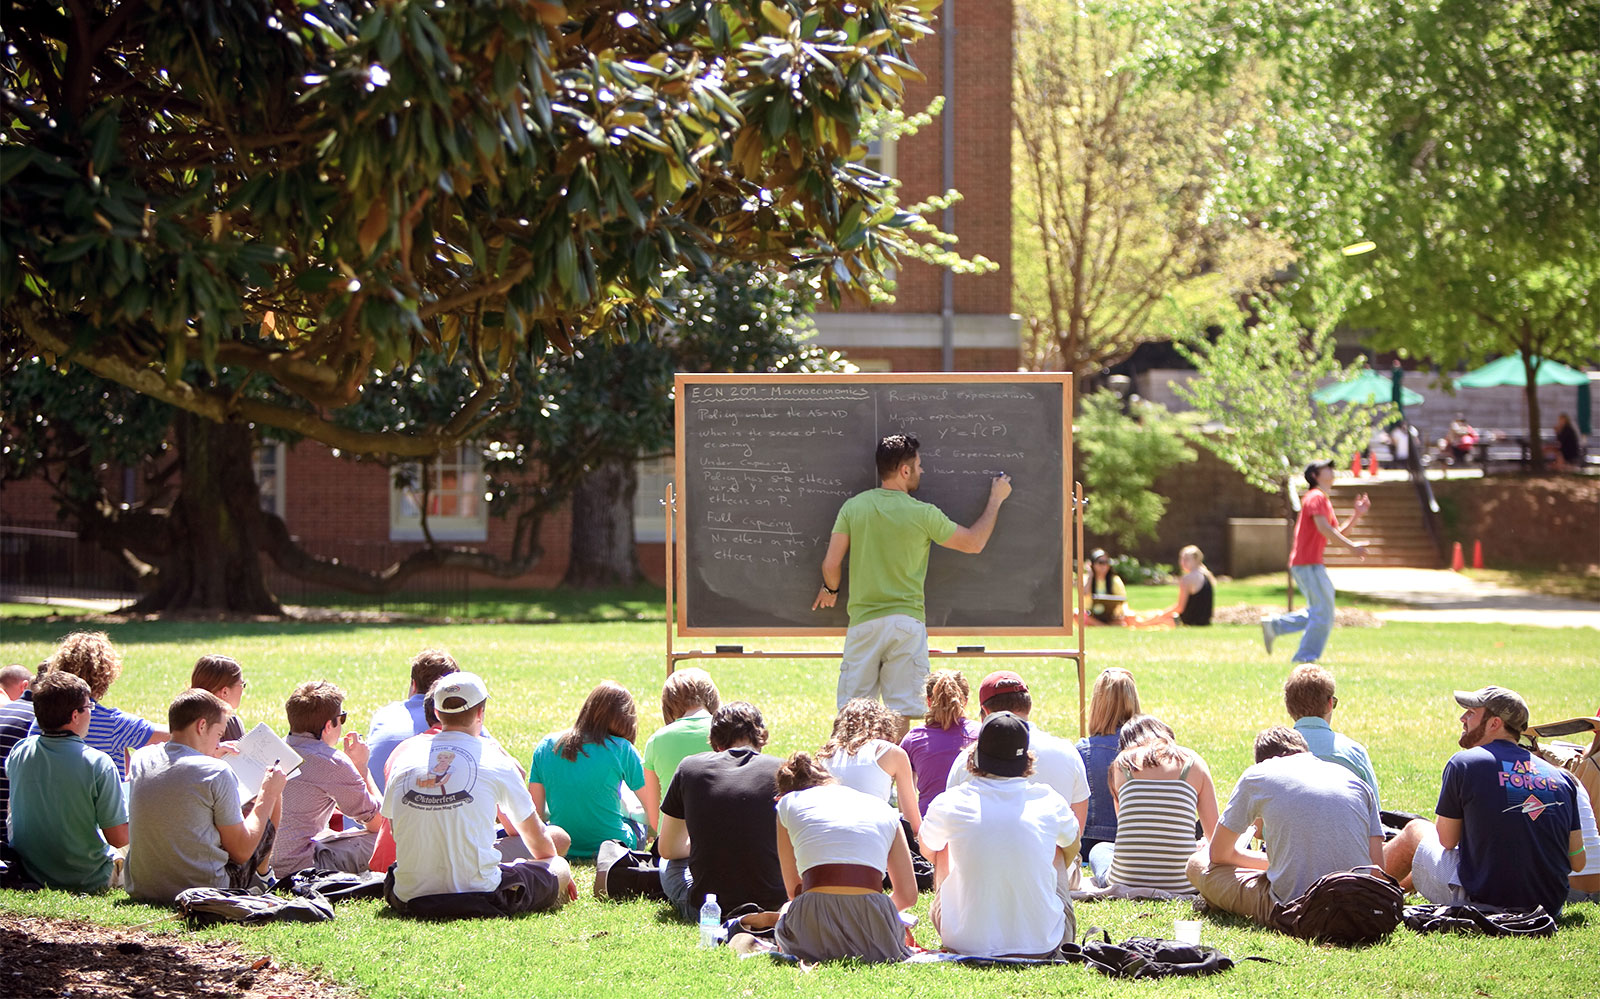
(1488, 920)
(1146, 957)
(1359, 906)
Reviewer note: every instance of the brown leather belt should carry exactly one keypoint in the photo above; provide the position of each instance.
(842, 876)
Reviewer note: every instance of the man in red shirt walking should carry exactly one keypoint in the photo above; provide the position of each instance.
(1317, 525)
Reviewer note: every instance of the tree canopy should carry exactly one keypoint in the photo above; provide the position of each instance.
(295, 195)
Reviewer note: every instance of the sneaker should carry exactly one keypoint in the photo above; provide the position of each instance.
(1266, 633)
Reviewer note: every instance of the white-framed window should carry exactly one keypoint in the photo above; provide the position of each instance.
(877, 364)
(881, 156)
(649, 516)
(267, 461)
(452, 486)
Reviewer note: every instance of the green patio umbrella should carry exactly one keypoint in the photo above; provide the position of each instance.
(1509, 371)
(1368, 387)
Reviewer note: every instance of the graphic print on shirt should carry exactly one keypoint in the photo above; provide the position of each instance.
(1527, 790)
(447, 769)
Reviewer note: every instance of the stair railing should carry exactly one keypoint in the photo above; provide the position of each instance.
(1424, 490)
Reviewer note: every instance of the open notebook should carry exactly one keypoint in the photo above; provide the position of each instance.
(259, 749)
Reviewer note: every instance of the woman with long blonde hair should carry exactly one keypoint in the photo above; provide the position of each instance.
(945, 734)
(1113, 701)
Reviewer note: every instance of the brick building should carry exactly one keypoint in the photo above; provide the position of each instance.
(357, 512)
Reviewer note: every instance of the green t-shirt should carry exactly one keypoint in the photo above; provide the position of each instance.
(63, 793)
(672, 744)
(889, 535)
(582, 794)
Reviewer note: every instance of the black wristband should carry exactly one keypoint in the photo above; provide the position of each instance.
(831, 589)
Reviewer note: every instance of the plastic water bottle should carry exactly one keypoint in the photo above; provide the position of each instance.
(710, 922)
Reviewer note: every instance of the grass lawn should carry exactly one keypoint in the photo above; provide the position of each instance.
(1215, 687)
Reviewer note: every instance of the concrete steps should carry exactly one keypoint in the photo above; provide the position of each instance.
(1393, 529)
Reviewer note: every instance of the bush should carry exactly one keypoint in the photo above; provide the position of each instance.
(1134, 573)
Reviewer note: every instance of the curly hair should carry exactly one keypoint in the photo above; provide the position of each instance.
(860, 721)
(946, 692)
(687, 690)
(802, 770)
(736, 722)
(1279, 740)
(607, 711)
(90, 656)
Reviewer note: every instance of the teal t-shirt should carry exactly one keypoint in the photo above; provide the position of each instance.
(672, 744)
(582, 795)
(889, 536)
(63, 792)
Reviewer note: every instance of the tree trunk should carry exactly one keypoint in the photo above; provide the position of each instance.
(211, 561)
(1288, 530)
(1531, 394)
(602, 546)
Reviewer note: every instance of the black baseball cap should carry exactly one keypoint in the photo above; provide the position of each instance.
(1002, 748)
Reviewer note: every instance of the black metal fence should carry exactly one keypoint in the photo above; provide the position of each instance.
(44, 561)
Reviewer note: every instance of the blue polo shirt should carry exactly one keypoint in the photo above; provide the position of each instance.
(393, 724)
(63, 792)
(1326, 744)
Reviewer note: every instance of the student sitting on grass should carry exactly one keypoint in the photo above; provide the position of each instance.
(398, 721)
(719, 821)
(999, 845)
(441, 800)
(14, 679)
(1160, 788)
(186, 826)
(16, 717)
(67, 813)
(90, 656)
(861, 753)
(575, 775)
(223, 676)
(834, 844)
(945, 733)
(1114, 700)
(688, 700)
(1314, 818)
(327, 779)
(1308, 696)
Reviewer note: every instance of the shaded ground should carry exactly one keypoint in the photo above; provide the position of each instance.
(61, 958)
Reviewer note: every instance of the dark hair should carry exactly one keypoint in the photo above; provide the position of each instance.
(56, 695)
(977, 771)
(1278, 741)
(213, 672)
(802, 770)
(737, 722)
(195, 705)
(312, 706)
(607, 711)
(428, 666)
(1313, 468)
(1144, 741)
(859, 722)
(1018, 702)
(429, 713)
(895, 450)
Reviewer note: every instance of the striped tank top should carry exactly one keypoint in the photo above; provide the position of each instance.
(1155, 833)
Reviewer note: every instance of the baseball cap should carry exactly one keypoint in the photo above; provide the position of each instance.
(1506, 705)
(454, 693)
(1003, 745)
(1312, 470)
(1001, 681)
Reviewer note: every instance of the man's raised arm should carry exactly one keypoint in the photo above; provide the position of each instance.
(973, 539)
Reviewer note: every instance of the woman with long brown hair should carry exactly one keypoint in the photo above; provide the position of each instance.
(223, 676)
(576, 775)
(834, 844)
(945, 733)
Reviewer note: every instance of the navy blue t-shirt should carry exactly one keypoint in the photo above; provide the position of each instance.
(1517, 813)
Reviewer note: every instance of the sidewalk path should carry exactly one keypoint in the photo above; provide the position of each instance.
(1441, 596)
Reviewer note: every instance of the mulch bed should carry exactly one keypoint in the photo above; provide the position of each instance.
(1343, 617)
(64, 958)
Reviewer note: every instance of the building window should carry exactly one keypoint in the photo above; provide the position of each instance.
(452, 488)
(880, 156)
(649, 516)
(268, 463)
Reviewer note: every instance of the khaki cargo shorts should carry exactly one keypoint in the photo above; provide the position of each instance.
(886, 658)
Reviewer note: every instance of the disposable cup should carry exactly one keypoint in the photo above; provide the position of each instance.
(1186, 931)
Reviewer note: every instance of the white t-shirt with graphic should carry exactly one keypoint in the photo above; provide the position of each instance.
(440, 801)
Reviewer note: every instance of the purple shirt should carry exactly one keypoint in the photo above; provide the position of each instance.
(932, 752)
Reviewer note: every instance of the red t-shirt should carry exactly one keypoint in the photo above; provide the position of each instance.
(1309, 543)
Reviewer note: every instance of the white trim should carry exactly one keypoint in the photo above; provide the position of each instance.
(649, 516)
(841, 330)
(280, 479)
(466, 463)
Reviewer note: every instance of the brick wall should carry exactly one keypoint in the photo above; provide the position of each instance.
(1524, 522)
(929, 358)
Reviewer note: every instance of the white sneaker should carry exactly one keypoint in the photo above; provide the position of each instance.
(1266, 632)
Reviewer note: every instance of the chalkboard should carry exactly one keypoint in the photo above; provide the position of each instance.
(764, 461)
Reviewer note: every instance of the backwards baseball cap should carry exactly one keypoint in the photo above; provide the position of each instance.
(1001, 681)
(454, 693)
(1003, 745)
(1312, 470)
(1506, 705)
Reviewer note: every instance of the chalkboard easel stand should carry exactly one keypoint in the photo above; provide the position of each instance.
(669, 500)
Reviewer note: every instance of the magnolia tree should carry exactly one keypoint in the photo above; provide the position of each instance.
(247, 210)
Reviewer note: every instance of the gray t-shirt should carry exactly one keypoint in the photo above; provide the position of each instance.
(177, 800)
(1316, 817)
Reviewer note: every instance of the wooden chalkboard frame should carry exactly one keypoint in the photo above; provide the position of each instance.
(1070, 519)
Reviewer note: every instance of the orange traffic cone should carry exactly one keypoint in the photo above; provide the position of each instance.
(1455, 557)
(1372, 466)
(1355, 465)
(1477, 554)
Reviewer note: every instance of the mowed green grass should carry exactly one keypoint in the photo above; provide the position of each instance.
(1216, 687)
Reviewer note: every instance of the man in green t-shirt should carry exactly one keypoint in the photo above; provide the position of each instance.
(886, 534)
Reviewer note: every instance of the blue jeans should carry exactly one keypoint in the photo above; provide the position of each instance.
(678, 883)
(1315, 619)
(1100, 863)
